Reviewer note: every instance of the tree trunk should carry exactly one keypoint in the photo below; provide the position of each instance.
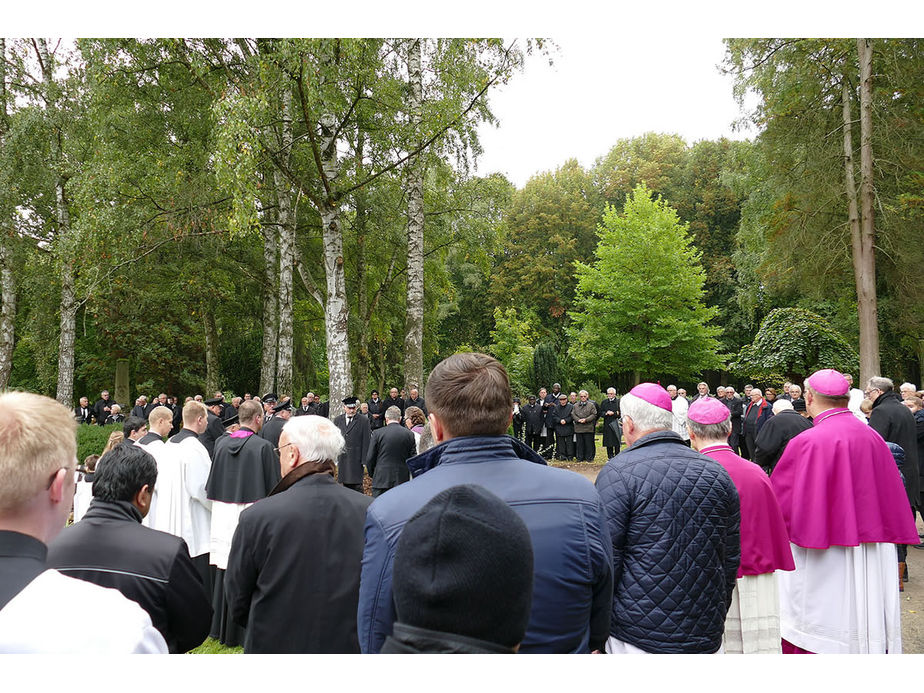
(64, 243)
(865, 269)
(211, 352)
(286, 257)
(7, 278)
(337, 308)
(413, 339)
(270, 309)
(362, 296)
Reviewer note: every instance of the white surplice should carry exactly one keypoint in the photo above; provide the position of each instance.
(752, 624)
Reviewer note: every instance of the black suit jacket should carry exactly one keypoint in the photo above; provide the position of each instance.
(83, 416)
(389, 451)
(376, 408)
(357, 435)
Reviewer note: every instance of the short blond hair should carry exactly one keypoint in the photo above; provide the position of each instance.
(37, 438)
(159, 414)
(192, 411)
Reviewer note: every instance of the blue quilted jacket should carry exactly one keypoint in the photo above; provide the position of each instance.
(674, 521)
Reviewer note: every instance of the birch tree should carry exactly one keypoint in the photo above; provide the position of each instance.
(413, 338)
(7, 236)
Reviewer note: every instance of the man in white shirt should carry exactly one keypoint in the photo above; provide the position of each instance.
(679, 407)
(37, 464)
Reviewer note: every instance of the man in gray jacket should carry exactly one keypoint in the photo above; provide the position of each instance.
(584, 414)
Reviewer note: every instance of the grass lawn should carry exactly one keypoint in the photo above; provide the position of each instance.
(211, 646)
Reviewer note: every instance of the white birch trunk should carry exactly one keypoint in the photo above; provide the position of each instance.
(286, 258)
(413, 339)
(270, 310)
(7, 278)
(337, 308)
(866, 272)
(64, 247)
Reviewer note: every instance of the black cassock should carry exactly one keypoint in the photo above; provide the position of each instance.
(357, 435)
(610, 437)
(244, 470)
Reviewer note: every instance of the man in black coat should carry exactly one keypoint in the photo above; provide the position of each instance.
(612, 431)
(785, 424)
(272, 429)
(82, 412)
(756, 414)
(356, 432)
(376, 411)
(295, 561)
(895, 423)
(393, 400)
(560, 414)
(736, 406)
(415, 400)
(518, 419)
(103, 408)
(215, 428)
(307, 406)
(390, 449)
(533, 416)
(109, 547)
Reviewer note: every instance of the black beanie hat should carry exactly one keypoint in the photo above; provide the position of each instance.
(464, 565)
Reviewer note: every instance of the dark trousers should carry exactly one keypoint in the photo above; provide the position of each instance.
(534, 440)
(612, 451)
(564, 446)
(586, 450)
(548, 445)
(733, 441)
(518, 431)
(751, 446)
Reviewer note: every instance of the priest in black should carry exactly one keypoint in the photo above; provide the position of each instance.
(215, 428)
(376, 411)
(393, 400)
(293, 573)
(533, 418)
(783, 426)
(564, 428)
(244, 470)
(357, 434)
(272, 429)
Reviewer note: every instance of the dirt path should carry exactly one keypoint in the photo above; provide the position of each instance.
(912, 598)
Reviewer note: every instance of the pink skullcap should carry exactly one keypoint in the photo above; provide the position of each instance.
(829, 382)
(708, 411)
(653, 394)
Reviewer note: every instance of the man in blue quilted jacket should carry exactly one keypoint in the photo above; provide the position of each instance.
(674, 521)
(471, 405)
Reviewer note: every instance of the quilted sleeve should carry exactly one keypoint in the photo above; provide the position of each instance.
(616, 498)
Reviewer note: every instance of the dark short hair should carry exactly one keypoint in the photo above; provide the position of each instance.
(132, 424)
(470, 393)
(124, 472)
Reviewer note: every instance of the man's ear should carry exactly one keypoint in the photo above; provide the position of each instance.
(142, 500)
(58, 484)
(436, 426)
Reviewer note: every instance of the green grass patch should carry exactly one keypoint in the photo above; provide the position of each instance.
(212, 646)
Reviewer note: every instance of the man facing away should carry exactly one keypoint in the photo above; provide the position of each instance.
(293, 570)
(39, 608)
(752, 625)
(785, 424)
(674, 522)
(470, 402)
(389, 450)
(110, 548)
(845, 508)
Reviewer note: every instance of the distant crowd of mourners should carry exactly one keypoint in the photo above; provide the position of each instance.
(763, 523)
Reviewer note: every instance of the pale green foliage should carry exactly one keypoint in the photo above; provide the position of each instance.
(513, 342)
(791, 344)
(639, 307)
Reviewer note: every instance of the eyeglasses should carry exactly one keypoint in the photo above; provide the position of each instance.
(276, 450)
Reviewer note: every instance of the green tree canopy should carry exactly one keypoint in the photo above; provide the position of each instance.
(640, 307)
(791, 344)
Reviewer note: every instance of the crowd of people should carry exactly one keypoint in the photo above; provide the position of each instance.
(772, 522)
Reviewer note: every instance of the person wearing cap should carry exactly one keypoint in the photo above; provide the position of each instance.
(244, 470)
(463, 577)
(357, 433)
(215, 428)
(564, 428)
(376, 411)
(469, 398)
(674, 521)
(845, 508)
(533, 418)
(272, 429)
(785, 424)
(293, 570)
(752, 625)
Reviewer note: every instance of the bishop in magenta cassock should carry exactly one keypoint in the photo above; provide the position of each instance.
(845, 508)
(752, 624)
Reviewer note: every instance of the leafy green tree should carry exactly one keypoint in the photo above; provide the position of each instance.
(639, 306)
(791, 344)
(545, 366)
(513, 339)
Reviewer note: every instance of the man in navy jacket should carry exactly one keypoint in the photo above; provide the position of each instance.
(471, 405)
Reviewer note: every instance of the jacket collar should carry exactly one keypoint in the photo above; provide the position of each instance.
(885, 397)
(302, 471)
(657, 437)
(460, 449)
(113, 510)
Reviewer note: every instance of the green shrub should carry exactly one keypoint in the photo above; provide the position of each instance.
(92, 439)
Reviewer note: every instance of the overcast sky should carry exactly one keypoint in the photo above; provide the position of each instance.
(598, 92)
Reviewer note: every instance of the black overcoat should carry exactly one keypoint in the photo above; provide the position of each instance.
(351, 460)
(293, 571)
(895, 423)
(611, 438)
(775, 434)
(390, 449)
